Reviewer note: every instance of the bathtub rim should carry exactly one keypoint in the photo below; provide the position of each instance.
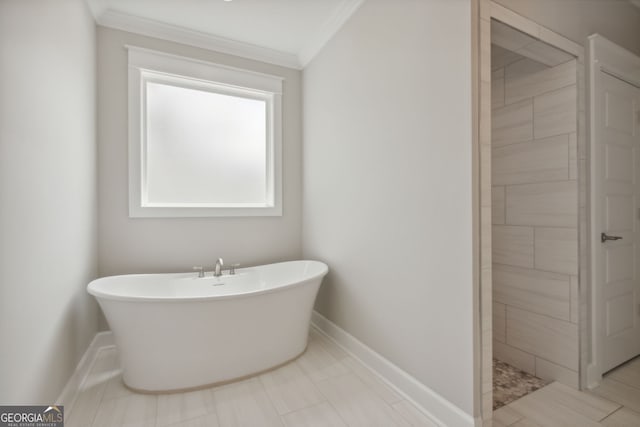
(174, 299)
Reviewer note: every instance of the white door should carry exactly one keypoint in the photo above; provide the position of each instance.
(617, 181)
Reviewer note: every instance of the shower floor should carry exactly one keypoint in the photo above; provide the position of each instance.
(510, 383)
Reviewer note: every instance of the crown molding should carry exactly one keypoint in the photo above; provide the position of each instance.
(151, 28)
(328, 30)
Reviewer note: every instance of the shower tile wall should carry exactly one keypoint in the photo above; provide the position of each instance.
(535, 219)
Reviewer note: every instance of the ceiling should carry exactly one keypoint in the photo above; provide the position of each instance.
(510, 45)
(287, 32)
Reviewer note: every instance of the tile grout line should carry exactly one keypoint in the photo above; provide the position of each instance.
(273, 406)
(559, 88)
(104, 390)
(608, 415)
(76, 394)
(327, 343)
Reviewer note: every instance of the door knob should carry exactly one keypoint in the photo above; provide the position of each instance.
(604, 237)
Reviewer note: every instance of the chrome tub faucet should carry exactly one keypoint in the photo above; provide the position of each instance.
(217, 272)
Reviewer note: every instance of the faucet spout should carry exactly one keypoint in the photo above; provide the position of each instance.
(218, 269)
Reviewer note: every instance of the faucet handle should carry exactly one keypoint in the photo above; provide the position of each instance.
(232, 268)
(199, 269)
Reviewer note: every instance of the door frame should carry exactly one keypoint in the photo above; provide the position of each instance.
(602, 56)
(484, 11)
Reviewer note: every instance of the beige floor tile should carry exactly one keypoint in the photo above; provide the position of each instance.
(329, 345)
(525, 422)
(322, 415)
(496, 423)
(358, 405)
(413, 415)
(245, 404)
(585, 404)
(174, 408)
(106, 360)
(116, 388)
(372, 381)
(92, 390)
(623, 417)
(137, 410)
(319, 364)
(209, 420)
(628, 373)
(620, 393)
(547, 413)
(506, 416)
(290, 389)
(85, 407)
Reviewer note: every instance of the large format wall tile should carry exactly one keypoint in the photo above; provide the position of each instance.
(514, 357)
(513, 245)
(556, 249)
(555, 113)
(536, 291)
(549, 338)
(553, 204)
(519, 86)
(497, 205)
(497, 88)
(535, 215)
(546, 54)
(522, 68)
(499, 313)
(512, 123)
(529, 162)
(552, 372)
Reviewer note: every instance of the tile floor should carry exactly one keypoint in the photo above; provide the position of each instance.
(511, 383)
(614, 403)
(324, 387)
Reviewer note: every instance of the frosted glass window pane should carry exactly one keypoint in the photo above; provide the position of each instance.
(204, 147)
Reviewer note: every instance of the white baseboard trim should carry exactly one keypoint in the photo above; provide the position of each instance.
(70, 391)
(437, 407)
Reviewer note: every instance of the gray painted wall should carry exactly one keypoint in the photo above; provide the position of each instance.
(144, 245)
(388, 187)
(47, 195)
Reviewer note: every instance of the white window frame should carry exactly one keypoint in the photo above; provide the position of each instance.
(147, 65)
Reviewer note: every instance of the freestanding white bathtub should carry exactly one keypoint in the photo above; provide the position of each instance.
(178, 331)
